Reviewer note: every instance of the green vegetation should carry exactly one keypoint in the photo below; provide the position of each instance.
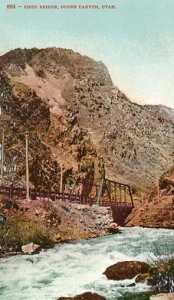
(161, 276)
(16, 233)
(136, 296)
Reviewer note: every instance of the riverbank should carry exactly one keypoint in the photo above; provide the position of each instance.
(47, 223)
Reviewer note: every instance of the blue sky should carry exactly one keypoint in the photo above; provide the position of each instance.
(135, 41)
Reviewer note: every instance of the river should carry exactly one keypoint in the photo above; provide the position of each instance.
(72, 268)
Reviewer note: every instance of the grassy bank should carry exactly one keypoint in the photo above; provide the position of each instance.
(15, 233)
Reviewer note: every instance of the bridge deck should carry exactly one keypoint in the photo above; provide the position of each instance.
(20, 193)
(120, 209)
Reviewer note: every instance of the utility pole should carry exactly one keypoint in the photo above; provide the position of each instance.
(2, 156)
(27, 168)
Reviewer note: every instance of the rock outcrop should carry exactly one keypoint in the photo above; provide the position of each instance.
(77, 118)
(157, 207)
(83, 220)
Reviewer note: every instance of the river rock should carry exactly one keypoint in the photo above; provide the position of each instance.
(84, 296)
(163, 297)
(126, 270)
(113, 228)
(31, 248)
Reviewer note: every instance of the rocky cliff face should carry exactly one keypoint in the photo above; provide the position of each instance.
(157, 208)
(77, 118)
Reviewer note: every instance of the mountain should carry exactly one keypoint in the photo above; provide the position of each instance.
(78, 119)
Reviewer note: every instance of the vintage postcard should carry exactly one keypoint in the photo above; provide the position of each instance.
(87, 149)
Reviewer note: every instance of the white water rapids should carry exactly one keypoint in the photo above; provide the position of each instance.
(73, 268)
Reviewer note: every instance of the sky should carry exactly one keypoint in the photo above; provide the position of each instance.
(135, 40)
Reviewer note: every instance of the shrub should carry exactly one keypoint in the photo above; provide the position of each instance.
(16, 233)
(162, 276)
(136, 296)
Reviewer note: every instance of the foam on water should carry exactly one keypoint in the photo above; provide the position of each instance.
(73, 268)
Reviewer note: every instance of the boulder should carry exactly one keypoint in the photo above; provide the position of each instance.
(163, 297)
(113, 228)
(84, 296)
(31, 248)
(126, 270)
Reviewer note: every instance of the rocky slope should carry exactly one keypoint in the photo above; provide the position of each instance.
(78, 119)
(46, 222)
(157, 208)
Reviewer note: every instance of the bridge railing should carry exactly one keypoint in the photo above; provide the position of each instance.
(20, 193)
